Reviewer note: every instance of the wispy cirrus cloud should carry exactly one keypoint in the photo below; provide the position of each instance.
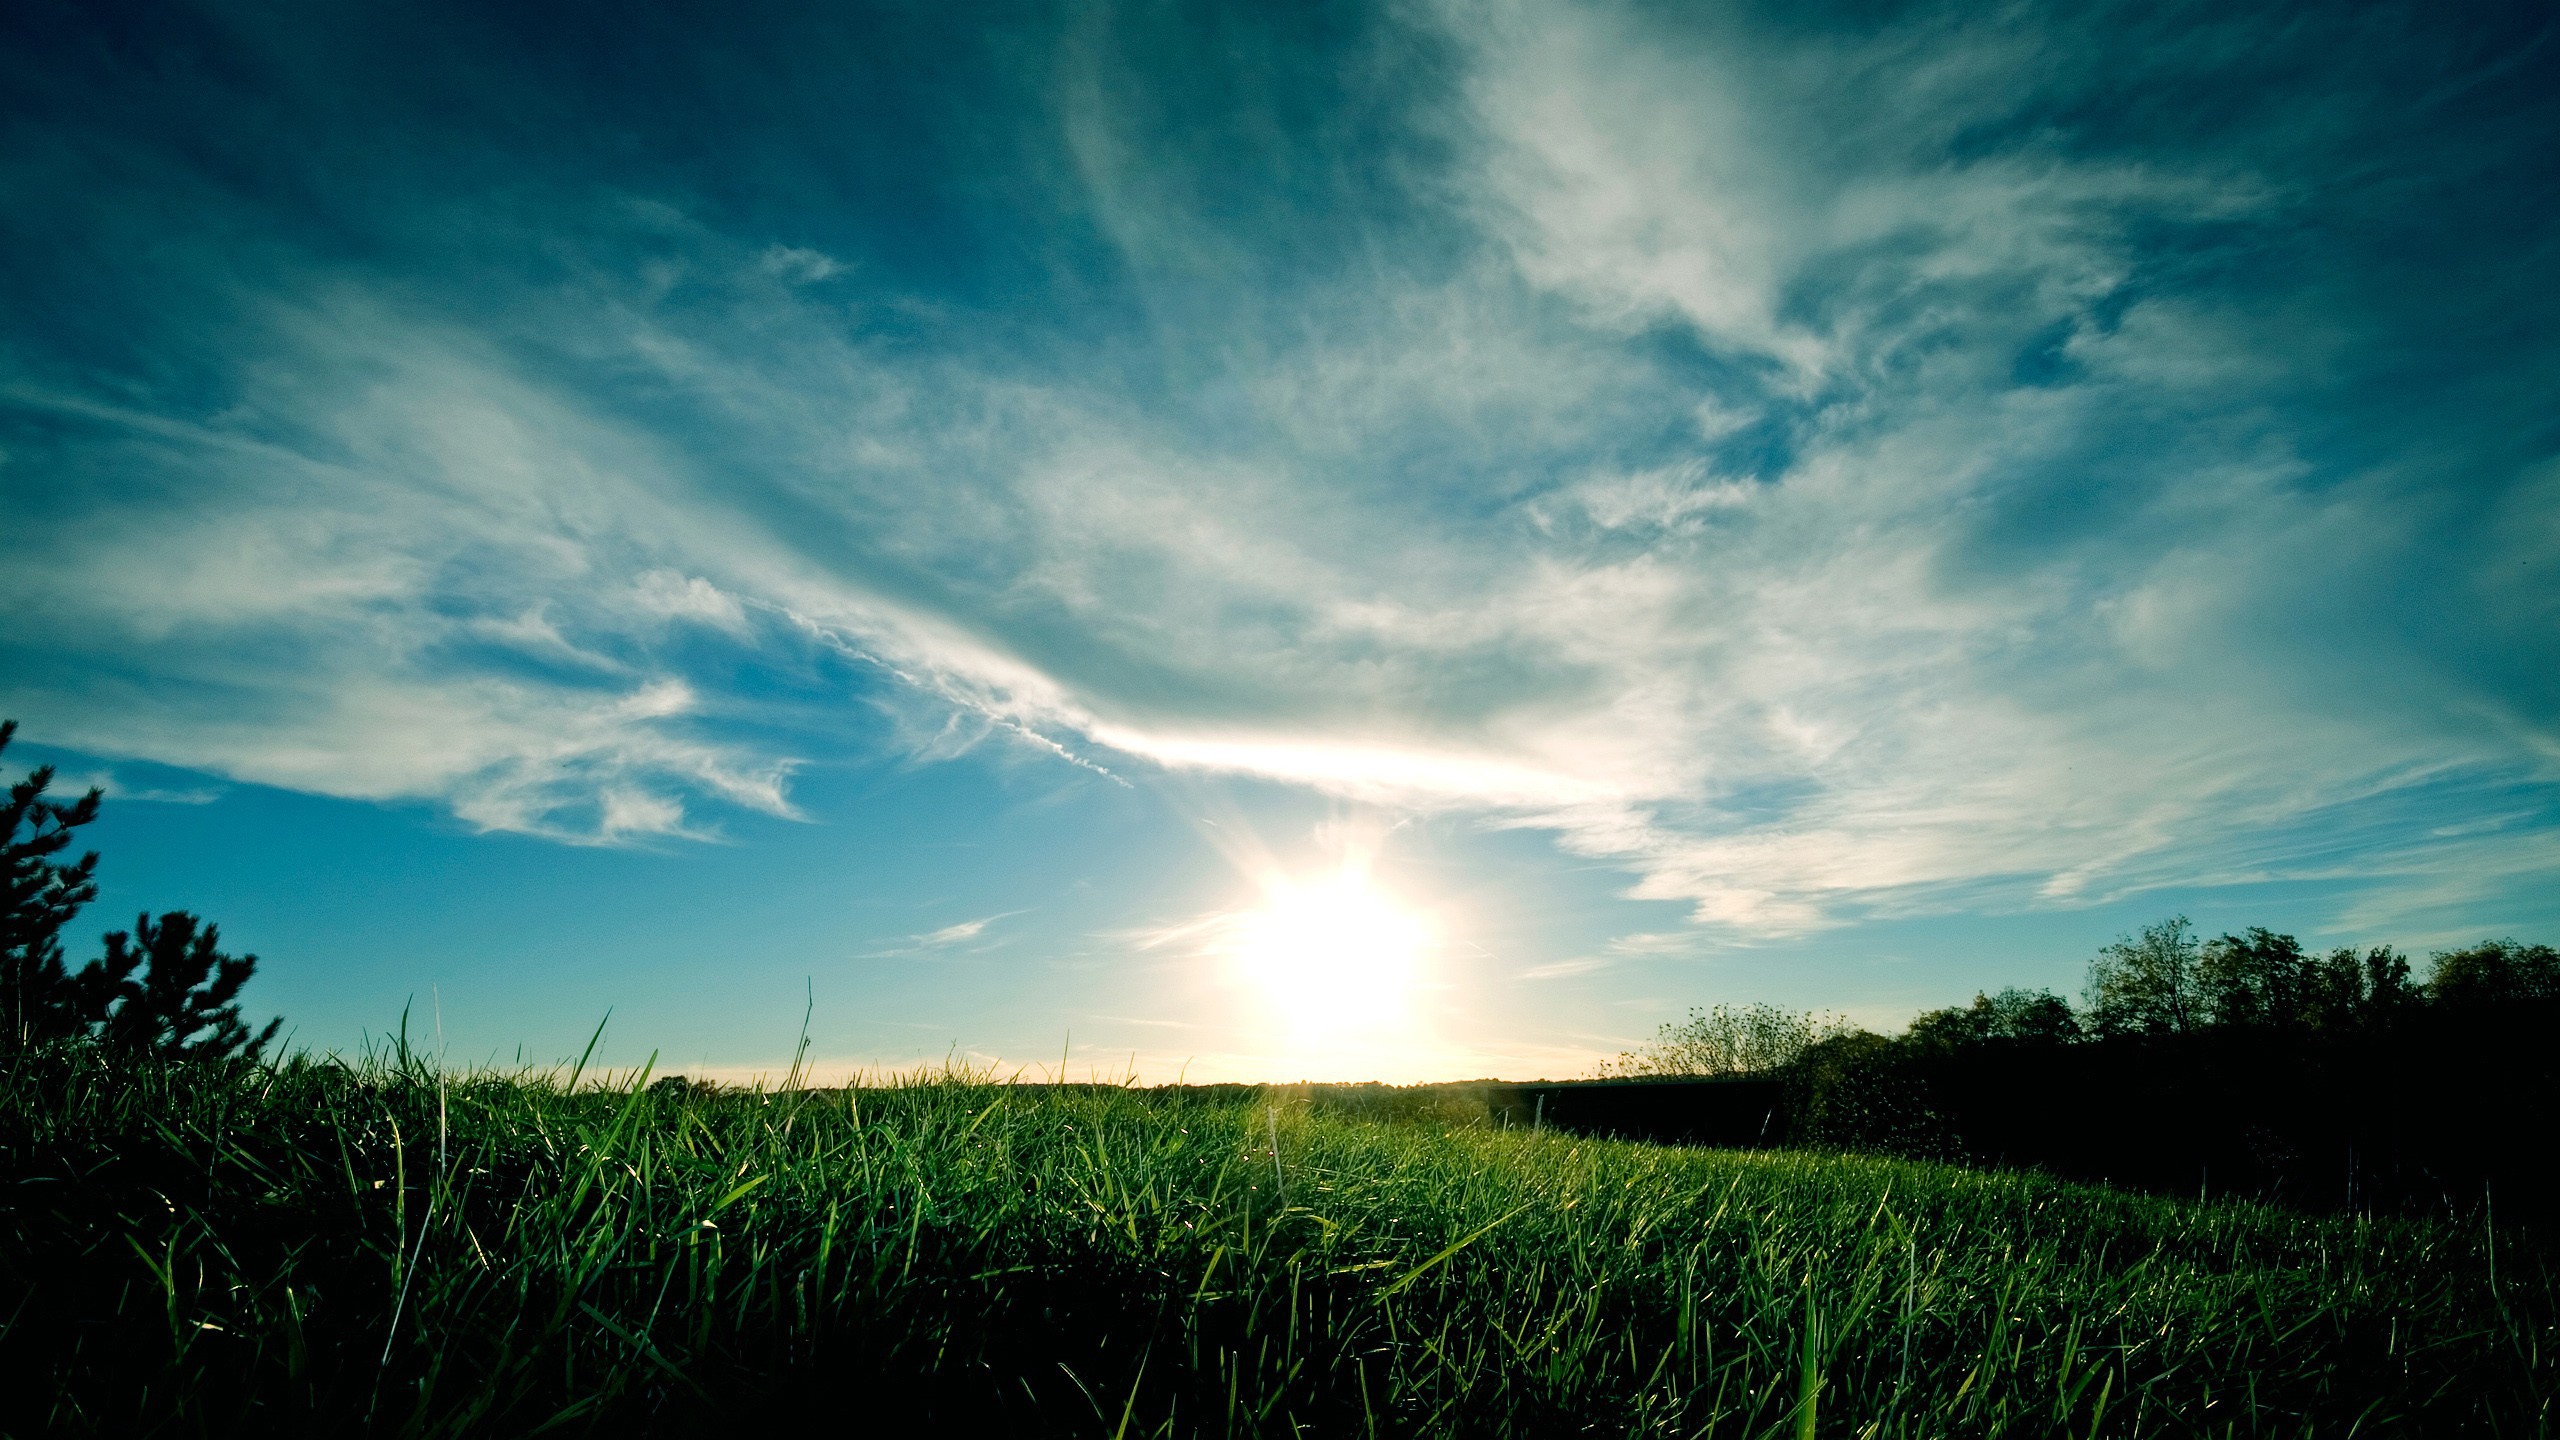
(72, 783)
(955, 934)
(960, 936)
(1824, 471)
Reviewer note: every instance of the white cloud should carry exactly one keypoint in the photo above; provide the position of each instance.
(69, 784)
(690, 597)
(949, 937)
(1670, 497)
(954, 934)
(1832, 615)
(799, 265)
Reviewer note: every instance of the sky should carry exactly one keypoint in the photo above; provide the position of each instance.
(1389, 541)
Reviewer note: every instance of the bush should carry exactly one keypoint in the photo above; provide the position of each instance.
(1727, 1040)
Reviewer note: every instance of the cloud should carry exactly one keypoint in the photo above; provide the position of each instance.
(949, 937)
(1639, 945)
(80, 783)
(799, 265)
(321, 609)
(954, 934)
(690, 597)
(1823, 473)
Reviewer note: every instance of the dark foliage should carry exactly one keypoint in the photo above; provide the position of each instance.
(2242, 1065)
(2238, 1065)
(166, 987)
(2147, 984)
(2495, 974)
(39, 894)
(2037, 1017)
(2265, 981)
(163, 987)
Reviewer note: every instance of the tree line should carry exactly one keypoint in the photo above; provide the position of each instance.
(165, 987)
(2241, 1063)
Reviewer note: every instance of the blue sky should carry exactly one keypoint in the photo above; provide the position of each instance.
(945, 520)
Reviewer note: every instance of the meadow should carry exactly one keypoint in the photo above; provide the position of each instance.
(383, 1247)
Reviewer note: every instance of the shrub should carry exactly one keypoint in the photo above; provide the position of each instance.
(1727, 1040)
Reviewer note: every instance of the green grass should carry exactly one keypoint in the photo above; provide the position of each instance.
(331, 1248)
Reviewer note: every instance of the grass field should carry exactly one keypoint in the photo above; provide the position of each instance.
(378, 1247)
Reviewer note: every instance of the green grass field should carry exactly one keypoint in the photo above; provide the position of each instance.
(331, 1248)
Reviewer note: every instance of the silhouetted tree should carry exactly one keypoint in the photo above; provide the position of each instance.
(165, 987)
(182, 1003)
(2387, 992)
(2260, 981)
(38, 896)
(2350, 991)
(2244, 1063)
(2147, 984)
(1727, 1040)
(2014, 1015)
(2495, 973)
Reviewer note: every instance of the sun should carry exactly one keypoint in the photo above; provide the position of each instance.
(1334, 961)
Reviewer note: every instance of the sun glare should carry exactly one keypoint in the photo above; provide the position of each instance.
(1335, 961)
